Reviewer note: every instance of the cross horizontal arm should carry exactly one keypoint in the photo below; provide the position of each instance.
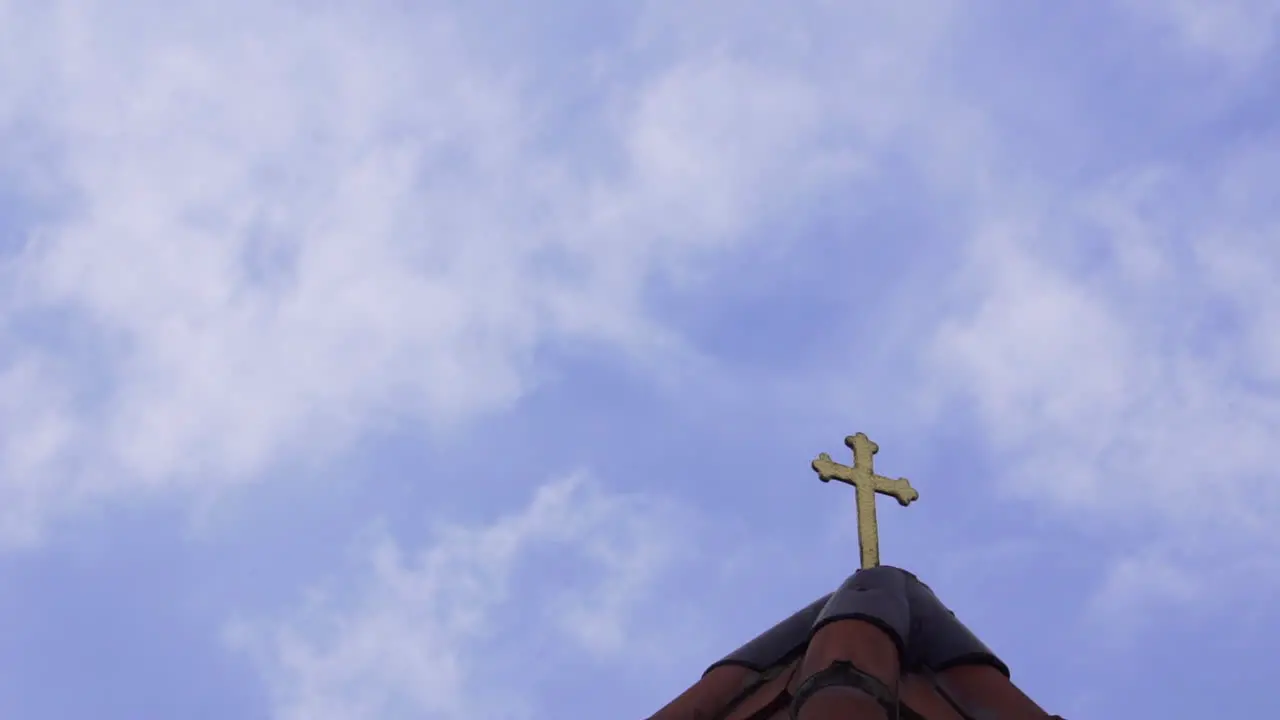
(897, 488)
(829, 469)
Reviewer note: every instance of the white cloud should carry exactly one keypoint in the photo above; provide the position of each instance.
(279, 230)
(432, 633)
(30, 401)
(1119, 349)
(1237, 33)
(271, 230)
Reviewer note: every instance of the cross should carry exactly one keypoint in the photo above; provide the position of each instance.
(866, 484)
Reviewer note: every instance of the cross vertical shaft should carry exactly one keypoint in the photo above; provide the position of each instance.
(866, 484)
(868, 540)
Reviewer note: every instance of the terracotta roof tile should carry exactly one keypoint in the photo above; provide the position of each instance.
(878, 596)
(885, 624)
(770, 698)
(939, 640)
(864, 644)
(780, 641)
(919, 694)
(982, 692)
(710, 695)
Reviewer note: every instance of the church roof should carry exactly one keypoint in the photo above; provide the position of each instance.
(884, 623)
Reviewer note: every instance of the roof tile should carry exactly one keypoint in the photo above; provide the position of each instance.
(772, 697)
(939, 640)
(710, 695)
(984, 692)
(780, 641)
(869, 648)
(886, 623)
(918, 693)
(877, 596)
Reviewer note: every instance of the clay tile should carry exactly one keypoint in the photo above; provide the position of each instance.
(883, 621)
(875, 595)
(983, 691)
(708, 697)
(939, 640)
(770, 698)
(864, 622)
(866, 646)
(919, 694)
(782, 640)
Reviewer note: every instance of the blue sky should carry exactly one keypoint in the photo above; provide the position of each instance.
(390, 360)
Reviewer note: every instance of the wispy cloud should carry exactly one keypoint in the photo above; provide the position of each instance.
(247, 234)
(1238, 33)
(276, 230)
(427, 632)
(1118, 351)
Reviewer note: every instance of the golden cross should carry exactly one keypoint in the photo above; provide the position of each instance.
(866, 484)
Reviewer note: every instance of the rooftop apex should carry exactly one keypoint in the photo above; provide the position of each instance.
(881, 646)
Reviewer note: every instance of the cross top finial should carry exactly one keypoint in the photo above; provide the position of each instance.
(866, 484)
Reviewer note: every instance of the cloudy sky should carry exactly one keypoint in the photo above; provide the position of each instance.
(392, 360)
